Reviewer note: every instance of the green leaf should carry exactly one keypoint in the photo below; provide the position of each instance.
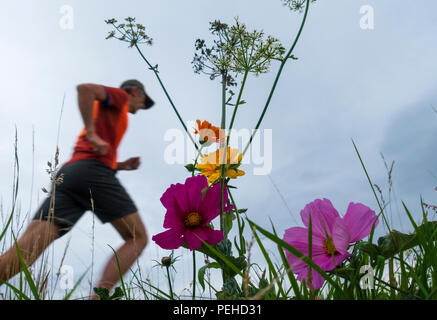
(118, 294)
(395, 242)
(229, 217)
(202, 270)
(269, 294)
(224, 247)
(224, 295)
(103, 293)
(231, 286)
(222, 258)
(190, 167)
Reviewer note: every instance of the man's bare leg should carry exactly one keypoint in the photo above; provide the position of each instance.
(37, 237)
(132, 230)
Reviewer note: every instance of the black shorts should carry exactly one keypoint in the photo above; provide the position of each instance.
(89, 185)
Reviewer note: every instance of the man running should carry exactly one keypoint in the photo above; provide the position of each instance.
(89, 183)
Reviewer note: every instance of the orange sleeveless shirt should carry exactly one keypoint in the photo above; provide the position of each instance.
(110, 122)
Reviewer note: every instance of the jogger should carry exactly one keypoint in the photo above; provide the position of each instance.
(90, 183)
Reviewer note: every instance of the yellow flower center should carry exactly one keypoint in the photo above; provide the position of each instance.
(329, 246)
(192, 220)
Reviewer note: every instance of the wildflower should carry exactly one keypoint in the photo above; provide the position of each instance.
(210, 164)
(130, 32)
(331, 236)
(208, 134)
(189, 214)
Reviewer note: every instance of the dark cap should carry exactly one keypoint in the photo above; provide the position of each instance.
(127, 86)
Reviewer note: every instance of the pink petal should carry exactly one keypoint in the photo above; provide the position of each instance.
(210, 205)
(193, 241)
(327, 263)
(214, 236)
(298, 238)
(170, 239)
(317, 281)
(359, 219)
(340, 236)
(193, 188)
(173, 219)
(182, 200)
(323, 215)
(168, 198)
(227, 208)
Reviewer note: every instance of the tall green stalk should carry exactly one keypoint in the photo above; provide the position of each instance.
(237, 104)
(169, 283)
(167, 95)
(194, 274)
(223, 126)
(284, 61)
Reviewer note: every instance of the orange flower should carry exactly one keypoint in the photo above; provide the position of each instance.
(208, 133)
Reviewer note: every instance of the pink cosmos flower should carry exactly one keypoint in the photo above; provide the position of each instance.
(188, 214)
(331, 236)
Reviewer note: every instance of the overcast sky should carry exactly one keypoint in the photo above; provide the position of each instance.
(376, 87)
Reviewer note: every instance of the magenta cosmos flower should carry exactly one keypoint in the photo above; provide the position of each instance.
(331, 236)
(188, 214)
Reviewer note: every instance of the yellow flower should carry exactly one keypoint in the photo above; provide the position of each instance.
(210, 164)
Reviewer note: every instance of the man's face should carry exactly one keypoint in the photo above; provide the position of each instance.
(137, 100)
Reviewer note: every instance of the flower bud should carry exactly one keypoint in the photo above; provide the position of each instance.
(166, 261)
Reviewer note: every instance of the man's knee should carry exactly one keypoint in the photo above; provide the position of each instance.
(132, 229)
(140, 238)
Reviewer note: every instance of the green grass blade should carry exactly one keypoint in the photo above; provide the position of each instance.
(268, 260)
(374, 192)
(5, 228)
(20, 294)
(119, 273)
(222, 257)
(290, 273)
(26, 272)
(158, 290)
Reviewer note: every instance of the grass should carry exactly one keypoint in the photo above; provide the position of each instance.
(403, 265)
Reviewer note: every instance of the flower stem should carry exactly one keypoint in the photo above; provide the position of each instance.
(223, 125)
(237, 105)
(169, 283)
(199, 153)
(278, 75)
(194, 274)
(168, 96)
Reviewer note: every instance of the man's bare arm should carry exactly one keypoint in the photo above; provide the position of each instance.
(129, 164)
(87, 93)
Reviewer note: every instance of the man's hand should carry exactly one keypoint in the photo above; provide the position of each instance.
(100, 145)
(129, 164)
